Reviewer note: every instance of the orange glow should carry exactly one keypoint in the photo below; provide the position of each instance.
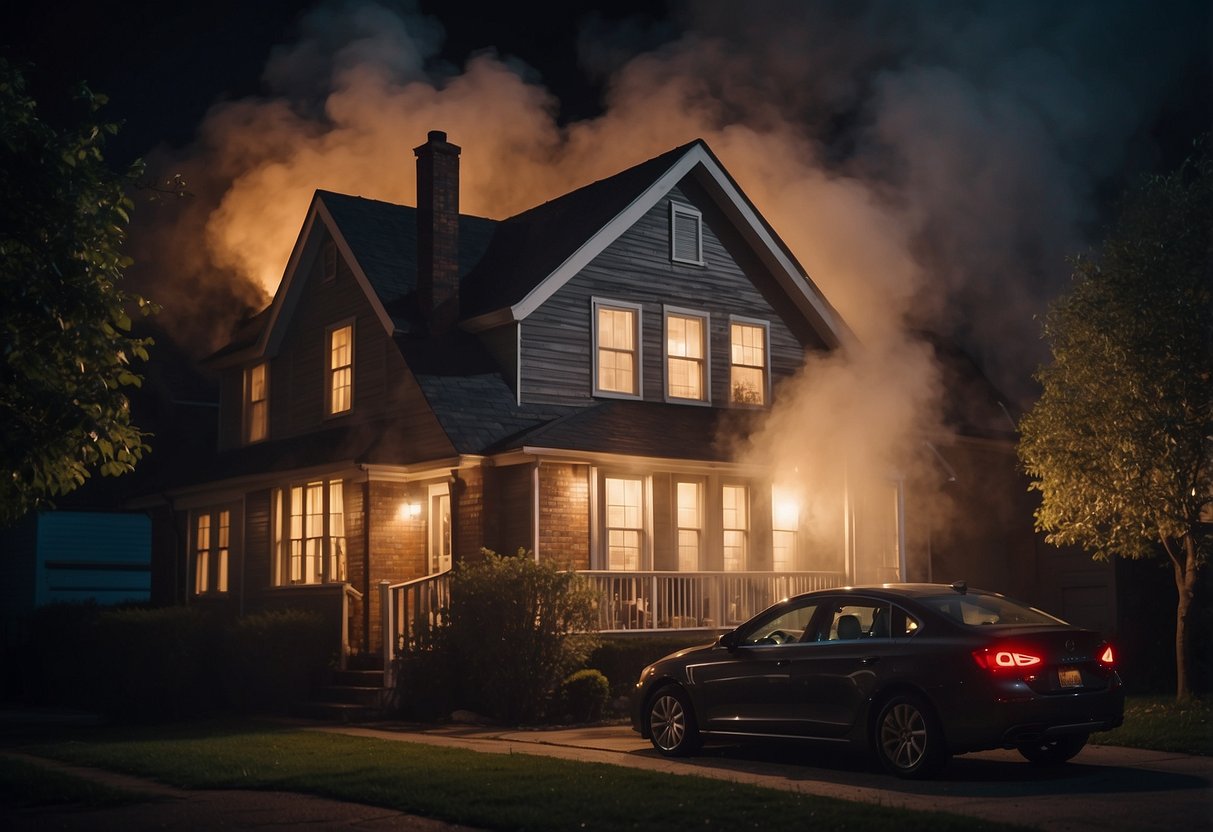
(1107, 657)
(1004, 659)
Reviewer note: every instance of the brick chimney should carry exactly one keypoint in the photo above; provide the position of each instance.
(438, 230)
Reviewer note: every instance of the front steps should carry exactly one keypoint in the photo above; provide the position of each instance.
(350, 696)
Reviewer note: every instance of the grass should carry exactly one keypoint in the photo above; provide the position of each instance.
(26, 784)
(490, 791)
(1160, 723)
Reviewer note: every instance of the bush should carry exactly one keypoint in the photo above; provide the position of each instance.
(584, 694)
(515, 630)
(156, 664)
(622, 658)
(55, 663)
(272, 659)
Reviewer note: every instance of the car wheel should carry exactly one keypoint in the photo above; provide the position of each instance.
(672, 728)
(1053, 751)
(908, 739)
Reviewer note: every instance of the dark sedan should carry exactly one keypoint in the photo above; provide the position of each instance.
(914, 672)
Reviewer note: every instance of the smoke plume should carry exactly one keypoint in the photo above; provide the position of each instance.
(931, 165)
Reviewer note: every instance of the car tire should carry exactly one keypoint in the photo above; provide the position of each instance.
(672, 727)
(908, 739)
(1052, 752)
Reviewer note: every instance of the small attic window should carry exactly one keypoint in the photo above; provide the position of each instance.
(686, 234)
(329, 255)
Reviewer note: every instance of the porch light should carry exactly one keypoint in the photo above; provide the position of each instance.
(409, 510)
(785, 509)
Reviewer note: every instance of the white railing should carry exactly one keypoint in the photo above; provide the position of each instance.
(630, 601)
(627, 601)
(407, 610)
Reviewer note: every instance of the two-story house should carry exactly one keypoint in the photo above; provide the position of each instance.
(427, 383)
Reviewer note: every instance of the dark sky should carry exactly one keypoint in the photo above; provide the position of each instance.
(163, 64)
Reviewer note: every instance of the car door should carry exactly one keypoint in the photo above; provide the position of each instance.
(745, 687)
(833, 674)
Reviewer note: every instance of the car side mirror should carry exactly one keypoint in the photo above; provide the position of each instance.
(729, 640)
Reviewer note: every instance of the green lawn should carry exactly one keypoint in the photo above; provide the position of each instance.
(1162, 724)
(490, 791)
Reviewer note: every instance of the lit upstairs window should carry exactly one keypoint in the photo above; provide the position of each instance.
(686, 356)
(686, 234)
(748, 355)
(617, 352)
(256, 403)
(341, 369)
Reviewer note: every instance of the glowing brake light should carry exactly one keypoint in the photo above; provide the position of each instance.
(1107, 656)
(1004, 659)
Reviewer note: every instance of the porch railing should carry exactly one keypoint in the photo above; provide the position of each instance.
(630, 601)
(627, 601)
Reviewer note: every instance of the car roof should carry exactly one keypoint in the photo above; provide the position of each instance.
(906, 590)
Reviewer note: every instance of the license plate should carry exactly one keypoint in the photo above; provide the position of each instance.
(1069, 677)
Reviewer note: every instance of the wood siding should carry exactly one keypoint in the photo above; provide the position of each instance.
(557, 347)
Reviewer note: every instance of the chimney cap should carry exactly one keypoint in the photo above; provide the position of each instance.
(436, 136)
(436, 143)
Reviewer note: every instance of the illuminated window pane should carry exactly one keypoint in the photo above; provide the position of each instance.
(257, 403)
(690, 525)
(624, 517)
(223, 550)
(685, 352)
(736, 524)
(747, 382)
(617, 350)
(341, 369)
(202, 552)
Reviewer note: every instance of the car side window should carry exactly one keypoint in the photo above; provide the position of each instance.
(855, 619)
(786, 626)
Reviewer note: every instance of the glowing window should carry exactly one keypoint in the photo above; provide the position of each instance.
(689, 497)
(735, 520)
(624, 522)
(785, 521)
(223, 550)
(686, 351)
(617, 335)
(256, 398)
(202, 554)
(309, 533)
(748, 355)
(341, 369)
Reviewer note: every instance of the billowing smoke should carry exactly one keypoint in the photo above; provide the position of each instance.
(930, 164)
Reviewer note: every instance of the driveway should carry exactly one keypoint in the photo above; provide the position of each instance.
(1104, 789)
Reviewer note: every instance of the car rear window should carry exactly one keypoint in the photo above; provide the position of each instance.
(978, 610)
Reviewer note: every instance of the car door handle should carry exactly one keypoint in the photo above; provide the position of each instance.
(782, 663)
(867, 660)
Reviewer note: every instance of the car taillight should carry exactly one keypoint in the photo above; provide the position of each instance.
(997, 660)
(1106, 656)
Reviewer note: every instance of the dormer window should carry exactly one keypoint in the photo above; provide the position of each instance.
(340, 369)
(748, 358)
(686, 234)
(256, 403)
(686, 355)
(617, 349)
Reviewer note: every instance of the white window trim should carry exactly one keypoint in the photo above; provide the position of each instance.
(604, 303)
(328, 367)
(683, 312)
(599, 556)
(766, 370)
(248, 403)
(280, 534)
(679, 209)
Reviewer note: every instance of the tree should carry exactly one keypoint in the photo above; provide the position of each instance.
(65, 323)
(1120, 443)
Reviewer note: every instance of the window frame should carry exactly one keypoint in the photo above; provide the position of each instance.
(765, 326)
(681, 209)
(212, 557)
(331, 557)
(250, 403)
(701, 529)
(330, 370)
(746, 529)
(705, 363)
(637, 312)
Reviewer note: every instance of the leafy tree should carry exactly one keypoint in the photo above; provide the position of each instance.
(1120, 443)
(65, 325)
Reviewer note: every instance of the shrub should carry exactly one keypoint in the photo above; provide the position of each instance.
(271, 659)
(584, 695)
(56, 663)
(156, 663)
(622, 658)
(515, 629)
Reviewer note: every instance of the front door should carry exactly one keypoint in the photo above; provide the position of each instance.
(440, 529)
